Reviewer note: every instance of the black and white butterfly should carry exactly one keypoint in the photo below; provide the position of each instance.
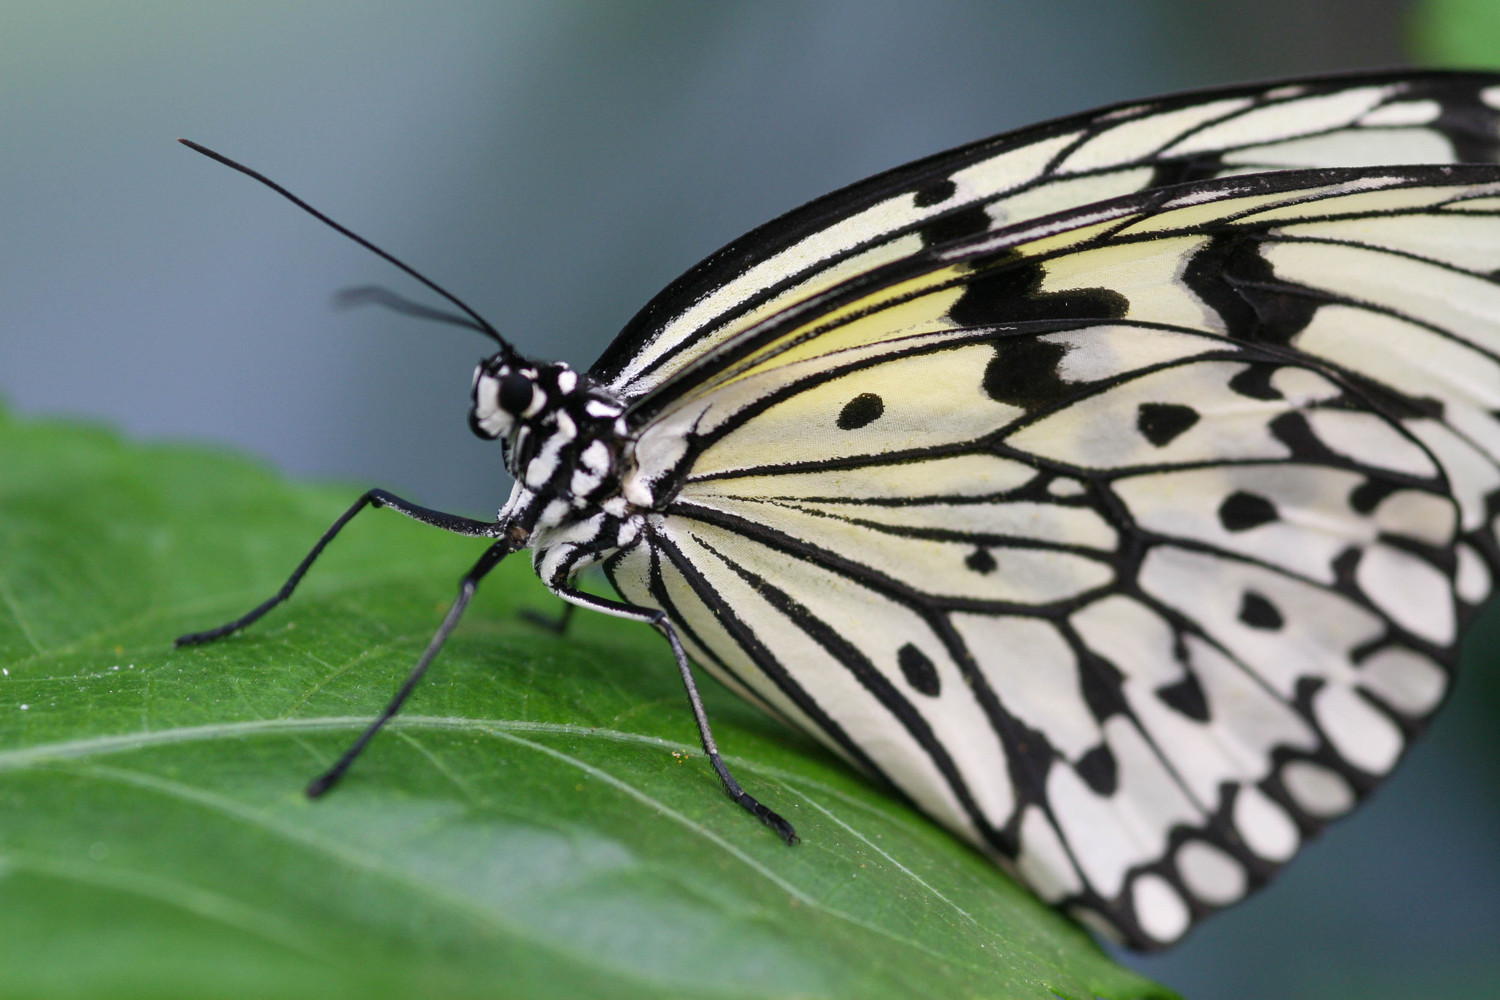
(1117, 489)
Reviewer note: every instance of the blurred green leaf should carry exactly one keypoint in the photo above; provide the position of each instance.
(1457, 33)
(539, 823)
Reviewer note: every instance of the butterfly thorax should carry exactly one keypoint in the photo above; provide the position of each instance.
(565, 441)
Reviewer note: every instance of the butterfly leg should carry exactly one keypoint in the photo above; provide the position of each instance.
(373, 498)
(466, 588)
(658, 620)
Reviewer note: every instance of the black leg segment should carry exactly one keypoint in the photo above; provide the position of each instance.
(662, 624)
(374, 498)
(466, 588)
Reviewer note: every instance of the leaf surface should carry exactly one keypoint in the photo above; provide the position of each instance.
(539, 823)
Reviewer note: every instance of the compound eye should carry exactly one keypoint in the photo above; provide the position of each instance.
(515, 393)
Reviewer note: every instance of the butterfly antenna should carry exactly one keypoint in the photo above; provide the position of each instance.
(379, 295)
(479, 324)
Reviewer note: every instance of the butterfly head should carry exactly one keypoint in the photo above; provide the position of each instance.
(508, 392)
(562, 431)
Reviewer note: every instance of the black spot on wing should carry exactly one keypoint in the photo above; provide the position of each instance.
(1185, 696)
(1393, 403)
(981, 561)
(861, 410)
(1184, 170)
(1024, 372)
(918, 670)
(935, 193)
(1161, 423)
(1011, 293)
(1258, 612)
(1242, 511)
(957, 225)
(1254, 382)
(1293, 430)
(1231, 277)
(1099, 770)
(1103, 686)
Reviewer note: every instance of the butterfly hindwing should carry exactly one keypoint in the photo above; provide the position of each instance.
(1136, 600)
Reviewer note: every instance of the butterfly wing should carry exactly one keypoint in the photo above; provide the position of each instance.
(1379, 119)
(1133, 543)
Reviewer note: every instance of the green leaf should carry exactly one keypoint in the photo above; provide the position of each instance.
(540, 822)
(1462, 33)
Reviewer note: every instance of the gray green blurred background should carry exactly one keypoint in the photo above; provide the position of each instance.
(555, 164)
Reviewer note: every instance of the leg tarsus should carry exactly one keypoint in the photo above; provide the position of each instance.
(658, 620)
(751, 804)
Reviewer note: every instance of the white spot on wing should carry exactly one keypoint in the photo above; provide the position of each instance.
(1407, 681)
(1302, 385)
(600, 409)
(1358, 731)
(1404, 113)
(1264, 826)
(1210, 874)
(1410, 590)
(1321, 792)
(1426, 517)
(1473, 581)
(1158, 907)
(1043, 861)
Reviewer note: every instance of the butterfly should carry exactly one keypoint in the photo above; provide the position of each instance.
(1117, 489)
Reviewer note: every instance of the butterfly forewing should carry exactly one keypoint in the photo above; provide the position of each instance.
(1132, 542)
(1380, 119)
